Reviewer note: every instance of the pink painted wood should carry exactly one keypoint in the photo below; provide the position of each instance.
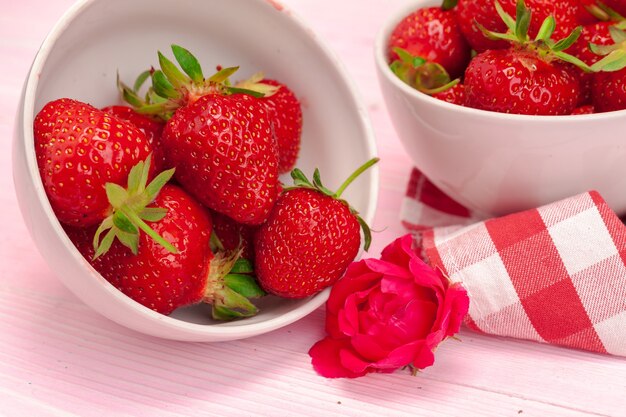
(59, 358)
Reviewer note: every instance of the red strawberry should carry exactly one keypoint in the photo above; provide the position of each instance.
(454, 95)
(151, 127)
(609, 91)
(219, 138)
(434, 35)
(483, 12)
(233, 235)
(529, 78)
(80, 148)
(158, 279)
(309, 239)
(285, 113)
(225, 155)
(608, 88)
(514, 81)
(597, 33)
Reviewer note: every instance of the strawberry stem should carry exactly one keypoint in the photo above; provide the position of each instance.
(354, 176)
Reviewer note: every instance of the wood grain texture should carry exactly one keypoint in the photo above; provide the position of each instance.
(59, 358)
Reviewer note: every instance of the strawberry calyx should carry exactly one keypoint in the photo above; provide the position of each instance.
(130, 212)
(300, 180)
(603, 12)
(230, 284)
(421, 74)
(543, 44)
(174, 87)
(614, 55)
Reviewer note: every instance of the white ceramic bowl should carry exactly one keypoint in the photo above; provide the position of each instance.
(498, 163)
(96, 38)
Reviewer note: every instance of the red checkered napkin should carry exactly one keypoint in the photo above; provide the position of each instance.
(556, 274)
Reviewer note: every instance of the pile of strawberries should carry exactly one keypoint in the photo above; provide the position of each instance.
(176, 199)
(539, 57)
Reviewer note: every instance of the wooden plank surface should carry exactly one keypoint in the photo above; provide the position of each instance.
(60, 358)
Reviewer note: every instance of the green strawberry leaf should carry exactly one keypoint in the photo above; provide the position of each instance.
(242, 266)
(105, 245)
(522, 21)
(565, 43)
(618, 35)
(614, 61)
(123, 223)
(116, 194)
(153, 214)
(158, 182)
(547, 29)
(141, 79)
(573, 60)
(367, 233)
(163, 87)
(245, 285)
(223, 75)
(506, 18)
(171, 71)
(188, 63)
(130, 240)
(237, 90)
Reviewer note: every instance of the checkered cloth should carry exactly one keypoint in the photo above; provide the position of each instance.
(556, 274)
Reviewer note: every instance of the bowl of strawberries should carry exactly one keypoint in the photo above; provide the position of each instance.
(508, 105)
(181, 174)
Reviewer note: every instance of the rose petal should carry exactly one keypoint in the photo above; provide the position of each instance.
(325, 358)
(399, 251)
(387, 268)
(368, 347)
(424, 274)
(405, 355)
(350, 284)
(352, 362)
(455, 307)
(423, 357)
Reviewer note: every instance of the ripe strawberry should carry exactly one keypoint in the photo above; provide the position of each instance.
(597, 33)
(309, 239)
(285, 113)
(163, 281)
(432, 34)
(472, 13)
(609, 91)
(608, 88)
(80, 148)
(225, 155)
(151, 127)
(233, 235)
(529, 78)
(454, 95)
(218, 138)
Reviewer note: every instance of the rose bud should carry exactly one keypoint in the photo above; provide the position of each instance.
(388, 313)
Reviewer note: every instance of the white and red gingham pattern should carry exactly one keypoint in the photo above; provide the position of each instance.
(556, 274)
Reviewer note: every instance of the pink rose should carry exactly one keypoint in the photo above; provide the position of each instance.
(386, 314)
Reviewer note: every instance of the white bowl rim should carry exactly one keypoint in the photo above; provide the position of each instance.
(380, 56)
(221, 331)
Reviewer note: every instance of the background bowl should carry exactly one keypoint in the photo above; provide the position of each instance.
(97, 38)
(497, 163)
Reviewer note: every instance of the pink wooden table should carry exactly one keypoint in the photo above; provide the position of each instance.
(60, 358)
